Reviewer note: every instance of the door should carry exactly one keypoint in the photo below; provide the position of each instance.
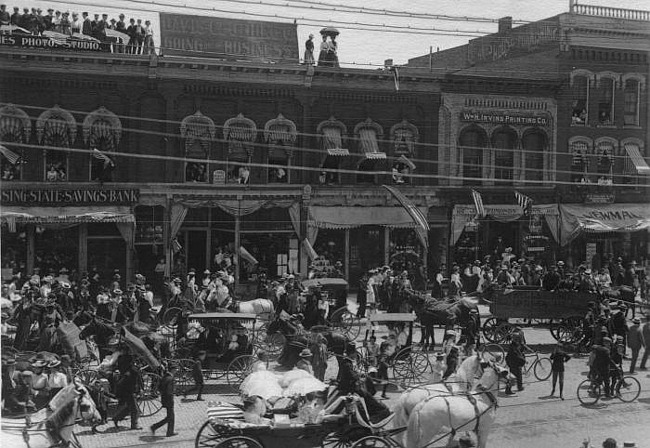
(197, 250)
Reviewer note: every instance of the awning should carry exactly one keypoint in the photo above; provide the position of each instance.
(602, 218)
(332, 138)
(350, 217)
(369, 145)
(338, 152)
(57, 215)
(640, 165)
(375, 155)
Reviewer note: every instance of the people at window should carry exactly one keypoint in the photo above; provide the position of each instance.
(56, 172)
(195, 172)
(278, 175)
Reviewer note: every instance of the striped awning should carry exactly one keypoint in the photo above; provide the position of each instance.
(68, 215)
(638, 162)
(375, 155)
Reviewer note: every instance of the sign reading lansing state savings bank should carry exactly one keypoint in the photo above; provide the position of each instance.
(233, 39)
(81, 196)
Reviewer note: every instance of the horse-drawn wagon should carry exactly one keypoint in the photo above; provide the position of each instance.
(334, 306)
(564, 309)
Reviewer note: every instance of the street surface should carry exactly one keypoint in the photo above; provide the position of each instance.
(529, 419)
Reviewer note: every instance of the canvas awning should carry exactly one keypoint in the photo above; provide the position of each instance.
(602, 218)
(638, 162)
(369, 145)
(350, 217)
(57, 215)
(338, 152)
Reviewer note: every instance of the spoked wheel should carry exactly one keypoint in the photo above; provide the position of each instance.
(183, 377)
(346, 322)
(628, 389)
(542, 369)
(410, 367)
(588, 392)
(420, 365)
(238, 370)
(490, 329)
(171, 317)
(504, 332)
(239, 442)
(493, 353)
(87, 376)
(374, 442)
(148, 398)
(208, 436)
(344, 438)
(569, 330)
(271, 343)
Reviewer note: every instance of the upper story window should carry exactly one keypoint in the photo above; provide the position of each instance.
(280, 134)
(632, 96)
(605, 152)
(580, 83)
(504, 142)
(403, 138)
(473, 144)
(197, 132)
(102, 131)
(534, 145)
(240, 134)
(15, 127)
(368, 133)
(333, 135)
(579, 160)
(606, 102)
(56, 129)
(635, 164)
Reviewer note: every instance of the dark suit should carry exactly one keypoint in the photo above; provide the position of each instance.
(166, 389)
(125, 392)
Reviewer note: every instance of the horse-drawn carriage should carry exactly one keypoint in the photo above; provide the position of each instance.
(333, 306)
(564, 309)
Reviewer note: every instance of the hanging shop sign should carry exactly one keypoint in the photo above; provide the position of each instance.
(79, 196)
(502, 118)
(232, 39)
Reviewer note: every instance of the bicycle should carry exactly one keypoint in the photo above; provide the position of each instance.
(541, 366)
(626, 388)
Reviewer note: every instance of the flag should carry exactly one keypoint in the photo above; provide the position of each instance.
(103, 157)
(11, 156)
(395, 77)
(524, 202)
(478, 203)
(421, 223)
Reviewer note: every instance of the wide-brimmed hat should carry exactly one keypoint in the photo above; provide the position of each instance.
(39, 363)
(560, 263)
(440, 355)
(54, 363)
(636, 320)
(306, 353)
(207, 272)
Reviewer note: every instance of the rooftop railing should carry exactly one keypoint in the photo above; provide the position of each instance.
(614, 13)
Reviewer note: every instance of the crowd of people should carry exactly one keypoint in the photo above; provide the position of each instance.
(140, 36)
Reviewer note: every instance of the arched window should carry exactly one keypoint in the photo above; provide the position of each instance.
(605, 152)
(56, 129)
(102, 131)
(280, 134)
(197, 132)
(473, 143)
(332, 134)
(579, 160)
(632, 94)
(240, 133)
(534, 145)
(368, 134)
(15, 127)
(504, 142)
(580, 104)
(606, 103)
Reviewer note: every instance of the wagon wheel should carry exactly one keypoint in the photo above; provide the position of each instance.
(490, 329)
(375, 442)
(568, 330)
(209, 436)
(239, 442)
(260, 334)
(504, 332)
(409, 367)
(238, 369)
(346, 322)
(344, 438)
(148, 399)
(171, 317)
(87, 376)
(272, 343)
(183, 377)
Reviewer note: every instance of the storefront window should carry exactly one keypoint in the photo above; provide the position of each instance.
(14, 248)
(330, 245)
(107, 255)
(272, 253)
(56, 247)
(149, 224)
(405, 254)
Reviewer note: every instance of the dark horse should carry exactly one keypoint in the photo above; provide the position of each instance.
(103, 332)
(431, 312)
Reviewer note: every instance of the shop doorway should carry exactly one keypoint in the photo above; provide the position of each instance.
(366, 250)
(197, 250)
(107, 255)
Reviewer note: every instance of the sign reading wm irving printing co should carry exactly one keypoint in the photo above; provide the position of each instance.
(502, 118)
(70, 196)
(232, 39)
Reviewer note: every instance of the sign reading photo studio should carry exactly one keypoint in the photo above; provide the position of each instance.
(27, 41)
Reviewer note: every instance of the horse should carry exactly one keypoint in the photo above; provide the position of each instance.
(460, 382)
(103, 333)
(444, 415)
(54, 425)
(431, 311)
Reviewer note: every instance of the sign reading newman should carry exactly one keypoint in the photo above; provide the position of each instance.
(69, 197)
(232, 39)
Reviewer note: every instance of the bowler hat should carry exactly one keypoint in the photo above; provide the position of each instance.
(306, 353)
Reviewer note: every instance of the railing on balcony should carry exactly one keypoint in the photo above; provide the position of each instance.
(614, 13)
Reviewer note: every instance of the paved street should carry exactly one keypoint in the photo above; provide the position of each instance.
(528, 419)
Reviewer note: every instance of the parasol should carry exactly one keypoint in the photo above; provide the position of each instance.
(123, 38)
(303, 386)
(329, 31)
(293, 375)
(262, 383)
(10, 29)
(6, 303)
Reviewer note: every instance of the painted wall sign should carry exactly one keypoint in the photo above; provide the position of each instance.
(69, 197)
(502, 118)
(233, 39)
(27, 41)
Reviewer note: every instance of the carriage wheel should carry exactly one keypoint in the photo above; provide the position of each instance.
(343, 439)
(490, 329)
(504, 333)
(238, 370)
(346, 322)
(374, 442)
(208, 437)
(568, 330)
(239, 442)
(260, 334)
(183, 377)
(409, 367)
(148, 398)
(171, 317)
(493, 353)
(87, 376)
(588, 392)
(272, 344)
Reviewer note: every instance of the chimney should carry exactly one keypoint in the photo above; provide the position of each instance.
(505, 24)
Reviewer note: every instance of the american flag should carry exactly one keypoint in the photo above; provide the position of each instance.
(11, 156)
(478, 203)
(422, 225)
(103, 157)
(524, 201)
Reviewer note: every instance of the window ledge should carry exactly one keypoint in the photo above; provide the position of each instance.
(579, 125)
(606, 125)
(631, 126)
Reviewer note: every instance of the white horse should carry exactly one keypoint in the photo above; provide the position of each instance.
(441, 416)
(460, 382)
(49, 426)
(260, 307)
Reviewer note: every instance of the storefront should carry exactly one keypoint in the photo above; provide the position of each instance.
(593, 233)
(532, 236)
(82, 230)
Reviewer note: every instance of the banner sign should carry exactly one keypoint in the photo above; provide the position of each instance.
(603, 218)
(69, 197)
(500, 118)
(232, 39)
(28, 41)
(536, 304)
